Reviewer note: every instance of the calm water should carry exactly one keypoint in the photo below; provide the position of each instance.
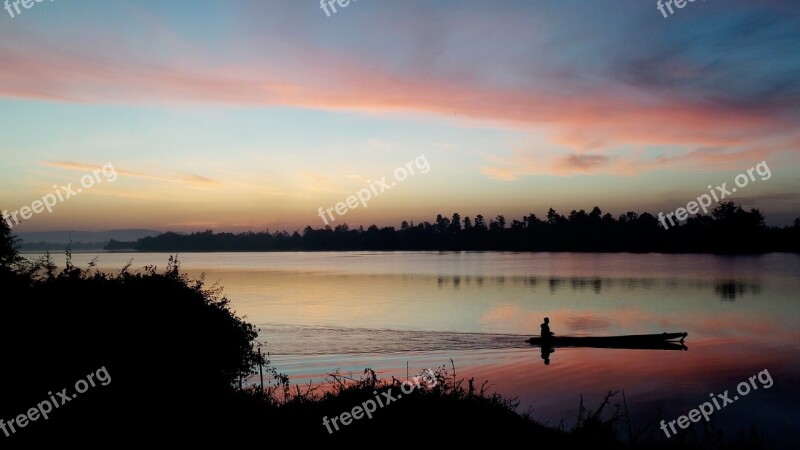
(321, 312)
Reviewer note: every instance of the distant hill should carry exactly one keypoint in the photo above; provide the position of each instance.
(81, 240)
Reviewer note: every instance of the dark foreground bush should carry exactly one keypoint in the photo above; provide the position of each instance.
(173, 351)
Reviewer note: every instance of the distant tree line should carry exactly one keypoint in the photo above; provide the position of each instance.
(728, 229)
(42, 246)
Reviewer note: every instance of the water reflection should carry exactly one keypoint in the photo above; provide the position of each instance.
(730, 289)
(547, 349)
(726, 289)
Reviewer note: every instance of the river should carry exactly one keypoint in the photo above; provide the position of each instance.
(327, 311)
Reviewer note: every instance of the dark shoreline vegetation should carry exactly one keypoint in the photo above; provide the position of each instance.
(728, 229)
(175, 353)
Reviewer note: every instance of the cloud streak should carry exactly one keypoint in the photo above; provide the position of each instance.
(187, 178)
(702, 96)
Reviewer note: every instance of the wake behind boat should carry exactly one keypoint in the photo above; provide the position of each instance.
(666, 341)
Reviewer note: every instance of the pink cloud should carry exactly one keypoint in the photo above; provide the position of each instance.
(599, 122)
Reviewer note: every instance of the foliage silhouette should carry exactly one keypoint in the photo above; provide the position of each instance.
(173, 348)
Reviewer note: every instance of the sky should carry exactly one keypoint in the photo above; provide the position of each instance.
(246, 115)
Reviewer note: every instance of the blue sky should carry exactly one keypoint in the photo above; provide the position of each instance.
(247, 115)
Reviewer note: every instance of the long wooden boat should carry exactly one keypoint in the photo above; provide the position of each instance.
(644, 341)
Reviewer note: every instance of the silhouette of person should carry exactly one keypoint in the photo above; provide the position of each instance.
(546, 333)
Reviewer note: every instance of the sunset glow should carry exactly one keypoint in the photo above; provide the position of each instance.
(249, 115)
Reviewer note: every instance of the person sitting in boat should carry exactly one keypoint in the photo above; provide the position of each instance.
(546, 333)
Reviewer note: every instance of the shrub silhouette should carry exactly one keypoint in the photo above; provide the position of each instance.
(173, 348)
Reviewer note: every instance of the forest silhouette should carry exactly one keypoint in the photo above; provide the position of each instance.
(728, 229)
